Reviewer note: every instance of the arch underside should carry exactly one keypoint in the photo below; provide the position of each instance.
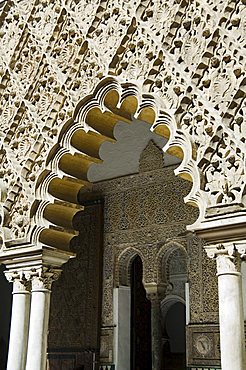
(65, 185)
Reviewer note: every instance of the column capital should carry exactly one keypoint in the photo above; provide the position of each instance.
(43, 277)
(228, 257)
(155, 292)
(230, 248)
(20, 283)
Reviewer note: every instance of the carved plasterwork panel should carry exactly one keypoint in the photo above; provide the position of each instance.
(202, 274)
(75, 300)
(132, 228)
(188, 55)
(203, 345)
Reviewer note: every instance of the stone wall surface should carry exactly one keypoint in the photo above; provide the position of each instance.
(143, 214)
(76, 299)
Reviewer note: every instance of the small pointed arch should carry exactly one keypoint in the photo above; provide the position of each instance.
(163, 257)
(123, 266)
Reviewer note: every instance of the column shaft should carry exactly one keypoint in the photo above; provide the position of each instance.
(38, 332)
(19, 327)
(231, 318)
(156, 334)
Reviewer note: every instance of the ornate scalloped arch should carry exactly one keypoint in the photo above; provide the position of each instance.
(65, 183)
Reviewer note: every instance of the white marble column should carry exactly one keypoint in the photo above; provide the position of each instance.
(39, 318)
(232, 342)
(19, 321)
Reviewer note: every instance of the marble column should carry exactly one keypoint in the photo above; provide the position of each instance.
(232, 342)
(39, 318)
(19, 321)
(155, 294)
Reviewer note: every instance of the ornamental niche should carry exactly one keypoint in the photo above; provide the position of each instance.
(177, 65)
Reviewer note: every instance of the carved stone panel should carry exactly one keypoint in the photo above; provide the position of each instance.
(203, 345)
(202, 274)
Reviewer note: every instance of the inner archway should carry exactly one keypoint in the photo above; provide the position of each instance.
(174, 347)
(173, 307)
(140, 320)
(82, 146)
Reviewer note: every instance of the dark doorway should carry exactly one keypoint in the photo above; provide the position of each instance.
(140, 320)
(174, 349)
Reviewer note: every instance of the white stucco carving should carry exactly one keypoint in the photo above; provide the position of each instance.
(189, 57)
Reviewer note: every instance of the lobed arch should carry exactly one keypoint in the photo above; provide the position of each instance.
(65, 185)
(123, 266)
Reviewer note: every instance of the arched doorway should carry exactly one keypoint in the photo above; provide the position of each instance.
(174, 343)
(173, 309)
(140, 320)
(47, 236)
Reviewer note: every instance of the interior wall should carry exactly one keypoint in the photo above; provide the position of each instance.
(76, 299)
(122, 337)
(144, 211)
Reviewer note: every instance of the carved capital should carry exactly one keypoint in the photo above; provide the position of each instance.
(155, 292)
(43, 278)
(228, 258)
(20, 283)
(227, 264)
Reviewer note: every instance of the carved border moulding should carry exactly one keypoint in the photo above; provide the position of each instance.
(226, 224)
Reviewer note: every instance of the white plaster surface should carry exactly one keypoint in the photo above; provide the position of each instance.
(122, 158)
(122, 314)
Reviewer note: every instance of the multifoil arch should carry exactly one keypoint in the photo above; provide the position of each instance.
(65, 182)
